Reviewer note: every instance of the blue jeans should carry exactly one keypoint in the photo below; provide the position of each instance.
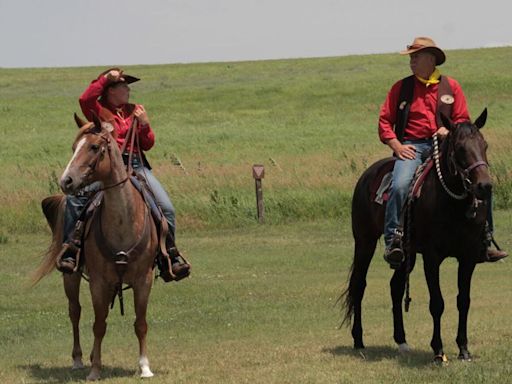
(403, 174)
(75, 204)
(161, 196)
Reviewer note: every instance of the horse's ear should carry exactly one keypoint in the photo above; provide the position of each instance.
(79, 122)
(480, 122)
(447, 123)
(97, 123)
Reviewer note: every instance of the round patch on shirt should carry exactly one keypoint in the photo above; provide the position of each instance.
(447, 99)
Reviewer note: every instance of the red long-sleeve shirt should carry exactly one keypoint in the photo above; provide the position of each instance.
(122, 118)
(422, 115)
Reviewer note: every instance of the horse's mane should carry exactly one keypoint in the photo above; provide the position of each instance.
(85, 129)
(463, 129)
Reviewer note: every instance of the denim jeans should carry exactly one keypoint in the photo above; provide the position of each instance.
(75, 204)
(403, 174)
(161, 196)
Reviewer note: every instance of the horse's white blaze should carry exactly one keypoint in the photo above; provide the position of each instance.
(78, 147)
(144, 367)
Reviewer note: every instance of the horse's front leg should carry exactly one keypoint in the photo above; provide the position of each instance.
(431, 268)
(465, 274)
(72, 290)
(141, 292)
(101, 296)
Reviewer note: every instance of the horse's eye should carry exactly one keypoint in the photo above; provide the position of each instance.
(460, 152)
(95, 147)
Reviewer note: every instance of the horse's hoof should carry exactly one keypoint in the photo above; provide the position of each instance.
(440, 360)
(144, 367)
(77, 364)
(404, 348)
(147, 374)
(93, 376)
(465, 356)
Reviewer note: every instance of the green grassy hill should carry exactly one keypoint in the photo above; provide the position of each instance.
(311, 122)
(260, 304)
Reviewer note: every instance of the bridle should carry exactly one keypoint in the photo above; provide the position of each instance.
(463, 172)
(105, 146)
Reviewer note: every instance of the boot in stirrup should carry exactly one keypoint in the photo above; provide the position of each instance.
(394, 254)
(67, 258)
(178, 269)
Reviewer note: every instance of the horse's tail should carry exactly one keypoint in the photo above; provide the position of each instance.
(53, 209)
(347, 301)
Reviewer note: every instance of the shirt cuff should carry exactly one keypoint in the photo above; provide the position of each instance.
(143, 127)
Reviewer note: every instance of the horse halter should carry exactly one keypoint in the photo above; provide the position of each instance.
(104, 147)
(464, 173)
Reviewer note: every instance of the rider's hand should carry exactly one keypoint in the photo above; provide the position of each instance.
(141, 115)
(114, 75)
(442, 132)
(402, 151)
(406, 151)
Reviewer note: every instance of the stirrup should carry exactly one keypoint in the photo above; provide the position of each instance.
(394, 257)
(394, 254)
(175, 267)
(68, 258)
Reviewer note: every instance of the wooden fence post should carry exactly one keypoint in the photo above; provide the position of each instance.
(258, 172)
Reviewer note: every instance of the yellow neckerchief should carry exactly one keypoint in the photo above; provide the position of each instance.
(433, 79)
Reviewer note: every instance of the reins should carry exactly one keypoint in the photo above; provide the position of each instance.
(466, 183)
(122, 257)
(94, 163)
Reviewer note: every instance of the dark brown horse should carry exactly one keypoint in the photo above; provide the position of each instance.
(122, 225)
(448, 219)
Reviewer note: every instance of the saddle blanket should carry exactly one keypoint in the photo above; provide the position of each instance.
(381, 186)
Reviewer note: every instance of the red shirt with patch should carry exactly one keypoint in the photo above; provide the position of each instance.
(422, 116)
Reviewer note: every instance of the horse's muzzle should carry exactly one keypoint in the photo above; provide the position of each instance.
(68, 185)
(483, 190)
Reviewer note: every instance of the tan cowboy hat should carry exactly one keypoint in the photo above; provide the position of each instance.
(427, 44)
(128, 79)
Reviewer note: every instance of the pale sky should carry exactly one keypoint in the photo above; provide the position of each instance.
(57, 33)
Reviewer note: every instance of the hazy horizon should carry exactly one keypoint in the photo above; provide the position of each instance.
(63, 33)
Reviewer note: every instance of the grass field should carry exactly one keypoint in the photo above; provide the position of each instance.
(311, 122)
(260, 306)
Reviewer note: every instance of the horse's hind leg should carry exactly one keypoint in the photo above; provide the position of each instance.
(72, 289)
(141, 296)
(363, 254)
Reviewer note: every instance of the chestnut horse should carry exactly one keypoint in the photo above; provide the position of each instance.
(121, 225)
(448, 219)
